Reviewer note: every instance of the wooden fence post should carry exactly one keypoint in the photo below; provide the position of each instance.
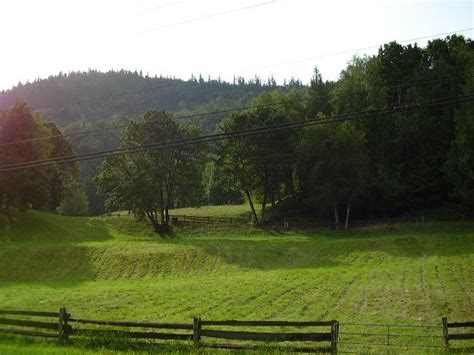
(445, 332)
(334, 336)
(196, 330)
(63, 326)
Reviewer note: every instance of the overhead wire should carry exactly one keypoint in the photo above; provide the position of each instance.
(235, 134)
(224, 111)
(181, 82)
(205, 17)
(355, 50)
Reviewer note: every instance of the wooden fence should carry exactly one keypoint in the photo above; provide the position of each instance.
(205, 328)
(39, 324)
(456, 336)
(203, 333)
(66, 327)
(176, 218)
(414, 219)
(289, 223)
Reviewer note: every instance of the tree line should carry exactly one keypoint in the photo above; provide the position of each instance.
(377, 166)
(54, 188)
(79, 101)
(374, 166)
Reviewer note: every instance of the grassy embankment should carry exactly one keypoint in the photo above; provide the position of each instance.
(115, 268)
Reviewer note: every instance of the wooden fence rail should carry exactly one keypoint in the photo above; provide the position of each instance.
(134, 324)
(287, 223)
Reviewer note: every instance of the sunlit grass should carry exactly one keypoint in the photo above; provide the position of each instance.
(116, 268)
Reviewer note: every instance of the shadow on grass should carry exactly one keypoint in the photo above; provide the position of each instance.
(61, 263)
(93, 345)
(35, 226)
(268, 249)
(132, 346)
(203, 249)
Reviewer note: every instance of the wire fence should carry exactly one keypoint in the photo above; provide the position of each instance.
(305, 223)
(358, 336)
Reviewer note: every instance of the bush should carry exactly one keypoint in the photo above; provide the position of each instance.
(75, 203)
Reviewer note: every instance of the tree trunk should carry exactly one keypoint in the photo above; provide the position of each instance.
(292, 186)
(162, 216)
(255, 217)
(167, 215)
(264, 200)
(336, 215)
(154, 222)
(273, 196)
(162, 205)
(346, 225)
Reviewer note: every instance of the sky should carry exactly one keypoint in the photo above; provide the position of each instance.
(226, 38)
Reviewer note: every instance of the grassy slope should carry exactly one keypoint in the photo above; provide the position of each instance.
(115, 268)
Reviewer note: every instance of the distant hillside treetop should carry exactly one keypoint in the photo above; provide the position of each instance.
(94, 95)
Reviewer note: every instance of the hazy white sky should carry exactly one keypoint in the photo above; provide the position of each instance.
(216, 37)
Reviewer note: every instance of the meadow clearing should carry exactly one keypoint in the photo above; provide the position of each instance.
(116, 268)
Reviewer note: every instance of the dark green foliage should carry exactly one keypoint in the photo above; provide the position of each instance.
(408, 151)
(460, 165)
(332, 166)
(82, 101)
(93, 96)
(260, 166)
(152, 182)
(383, 165)
(74, 202)
(37, 187)
(64, 175)
(215, 186)
(319, 94)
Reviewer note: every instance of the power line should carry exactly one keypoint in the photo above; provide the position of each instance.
(160, 7)
(108, 97)
(355, 50)
(236, 134)
(181, 82)
(205, 17)
(150, 123)
(224, 111)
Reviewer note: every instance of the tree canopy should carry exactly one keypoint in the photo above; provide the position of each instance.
(37, 187)
(150, 183)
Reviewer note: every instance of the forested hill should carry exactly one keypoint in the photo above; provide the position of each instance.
(84, 101)
(89, 97)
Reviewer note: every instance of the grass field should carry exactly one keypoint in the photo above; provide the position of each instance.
(115, 268)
